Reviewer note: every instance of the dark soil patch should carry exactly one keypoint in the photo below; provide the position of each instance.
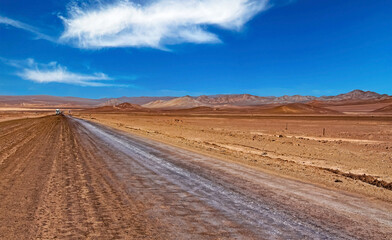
(364, 178)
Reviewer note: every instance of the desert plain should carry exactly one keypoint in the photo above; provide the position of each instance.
(291, 146)
(311, 169)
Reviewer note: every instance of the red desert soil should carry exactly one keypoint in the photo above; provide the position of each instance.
(53, 186)
(7, 114)
(62, 177)
(299, 108)
(287, 145)
(294, 108)
(386, 109)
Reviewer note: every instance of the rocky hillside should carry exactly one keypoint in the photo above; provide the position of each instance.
(356, 96)
(123, 107)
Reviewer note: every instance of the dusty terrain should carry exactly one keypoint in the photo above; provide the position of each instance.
(51, 187)
(61, 177)
(386, 109)
(286, 145)
(7, 114)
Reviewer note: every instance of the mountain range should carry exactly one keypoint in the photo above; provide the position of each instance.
(222, 101)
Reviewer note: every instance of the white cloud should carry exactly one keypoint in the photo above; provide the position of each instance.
(17, 24)
(55, 73)
(26, 27)
(60, 74)
(157, 23)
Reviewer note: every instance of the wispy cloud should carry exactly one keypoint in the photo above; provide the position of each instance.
(57, 73)
(53, 72)
(157, 23)
(26, 27)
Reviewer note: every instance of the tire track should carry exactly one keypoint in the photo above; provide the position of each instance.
(82, 199)
(20, 185)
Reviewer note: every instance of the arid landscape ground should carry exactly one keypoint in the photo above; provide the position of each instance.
(297, 169)
(286, 145)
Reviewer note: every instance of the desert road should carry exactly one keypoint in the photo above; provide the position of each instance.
(66, 178)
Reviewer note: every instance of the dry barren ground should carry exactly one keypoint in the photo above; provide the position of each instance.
(51, 187)
(66, 178)
(7, 114)
(292, 146)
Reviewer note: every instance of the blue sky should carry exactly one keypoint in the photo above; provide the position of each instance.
(195, 47)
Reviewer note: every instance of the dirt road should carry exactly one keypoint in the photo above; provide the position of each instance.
(66, 178)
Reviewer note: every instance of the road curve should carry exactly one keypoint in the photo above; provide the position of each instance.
(62, 177)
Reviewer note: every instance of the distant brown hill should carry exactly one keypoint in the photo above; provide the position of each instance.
(353, 97)
(140, 100)
(232, 99)
(123, 107)
(128, 106)
(356, 97)
(177, 103)
(299, 108)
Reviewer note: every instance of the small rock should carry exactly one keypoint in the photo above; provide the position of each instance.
(337, 180)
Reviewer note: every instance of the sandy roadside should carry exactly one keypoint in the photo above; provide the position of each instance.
(337, 160)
